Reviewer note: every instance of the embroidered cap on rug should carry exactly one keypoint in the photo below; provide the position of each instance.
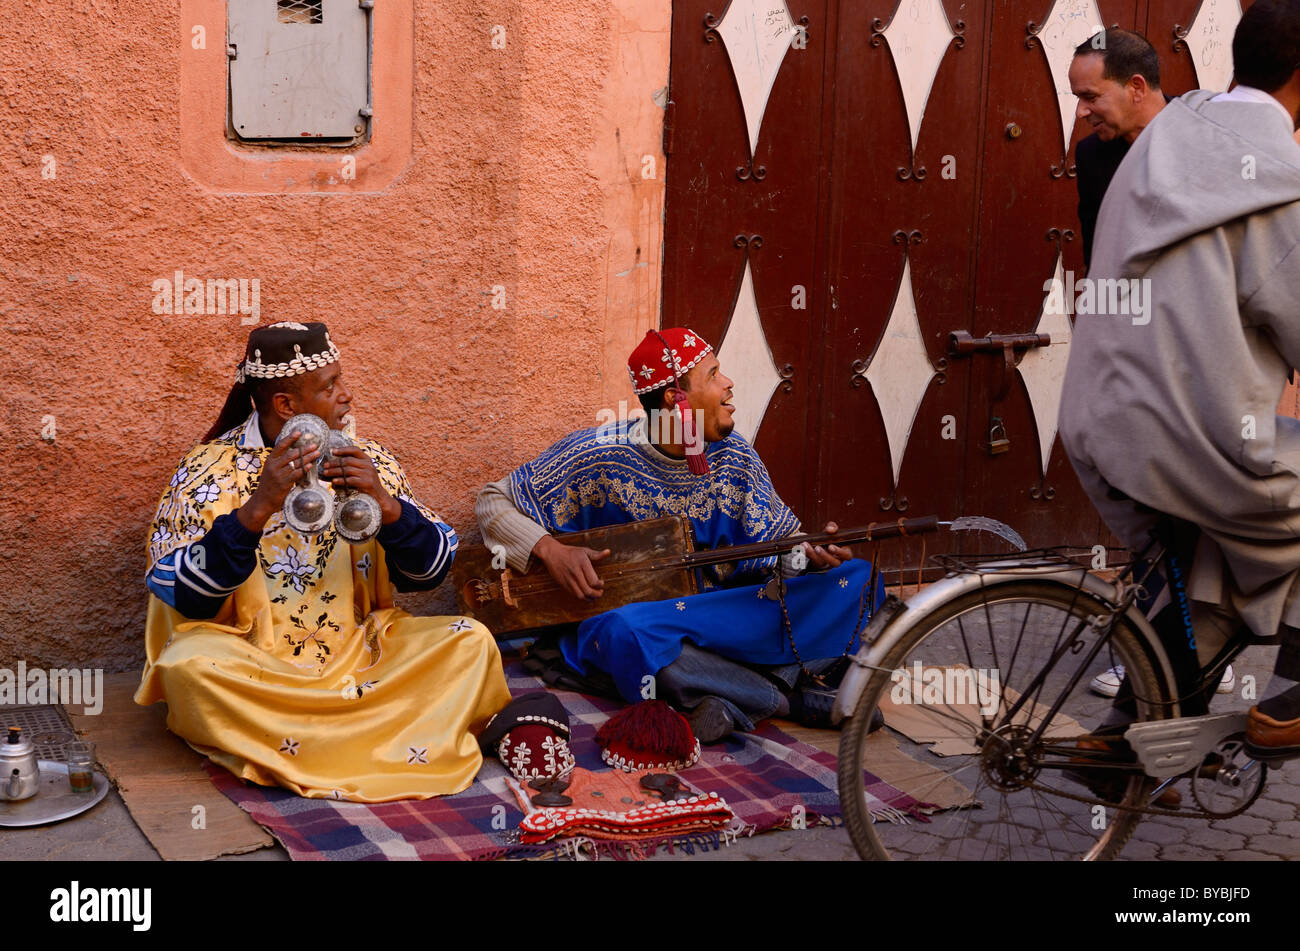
(649, 735)
(531, 736)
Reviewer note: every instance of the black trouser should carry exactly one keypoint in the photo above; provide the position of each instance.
(1173, 623)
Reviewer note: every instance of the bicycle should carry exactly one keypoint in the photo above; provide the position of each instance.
(1036, 627)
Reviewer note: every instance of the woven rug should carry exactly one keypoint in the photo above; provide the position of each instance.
(769, 779)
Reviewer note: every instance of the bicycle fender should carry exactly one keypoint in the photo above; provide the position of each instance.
(888, 627)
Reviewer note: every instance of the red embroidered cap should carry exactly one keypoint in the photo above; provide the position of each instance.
(531, 736)
(649, 735)
(535, 751)
(664, 355)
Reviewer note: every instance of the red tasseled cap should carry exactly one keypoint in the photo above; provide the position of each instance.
(649, 735)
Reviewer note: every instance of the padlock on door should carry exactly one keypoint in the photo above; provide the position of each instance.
(998, 441)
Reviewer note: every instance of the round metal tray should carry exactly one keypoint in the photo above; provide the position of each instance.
(55, 801)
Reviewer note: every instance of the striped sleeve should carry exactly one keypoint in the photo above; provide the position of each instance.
(196, 579)
(418, 551)
(419, 547)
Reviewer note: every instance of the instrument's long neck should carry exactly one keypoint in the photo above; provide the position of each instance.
(875, 531)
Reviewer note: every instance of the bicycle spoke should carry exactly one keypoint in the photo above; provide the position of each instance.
(1015, 653)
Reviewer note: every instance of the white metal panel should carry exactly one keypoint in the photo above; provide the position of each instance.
(900, 371)
(1069, 23)
(298, 80)
(757, 34)
(1043, 368)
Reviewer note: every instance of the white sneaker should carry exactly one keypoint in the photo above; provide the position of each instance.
(1107, 683)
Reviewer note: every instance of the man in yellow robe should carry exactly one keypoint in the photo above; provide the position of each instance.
(282, 655)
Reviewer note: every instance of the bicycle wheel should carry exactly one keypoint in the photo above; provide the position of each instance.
(1021, 648)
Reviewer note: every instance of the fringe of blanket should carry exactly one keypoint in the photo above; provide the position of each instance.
(891, 814)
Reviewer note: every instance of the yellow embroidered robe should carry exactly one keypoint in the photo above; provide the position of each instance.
(310, 677)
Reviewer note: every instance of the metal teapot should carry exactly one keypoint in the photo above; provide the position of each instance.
(20, 774)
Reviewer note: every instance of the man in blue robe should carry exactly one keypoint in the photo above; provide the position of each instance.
(723, 656)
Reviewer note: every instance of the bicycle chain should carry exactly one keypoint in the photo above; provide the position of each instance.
(1144, 810)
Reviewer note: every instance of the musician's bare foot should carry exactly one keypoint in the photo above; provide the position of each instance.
(710, 721)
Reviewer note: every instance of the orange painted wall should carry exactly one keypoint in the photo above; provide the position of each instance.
(523, 167)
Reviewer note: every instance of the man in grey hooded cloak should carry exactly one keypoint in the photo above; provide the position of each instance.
(1171, 393)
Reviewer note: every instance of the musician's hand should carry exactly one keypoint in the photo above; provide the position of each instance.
(572, 567)
(827, 556)
(280, 473)
(352, 469)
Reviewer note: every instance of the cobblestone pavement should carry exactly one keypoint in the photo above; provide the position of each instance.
(1270, 829)
(1045, 827)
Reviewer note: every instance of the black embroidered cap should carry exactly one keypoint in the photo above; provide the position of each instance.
(540, 707)
(286, 349)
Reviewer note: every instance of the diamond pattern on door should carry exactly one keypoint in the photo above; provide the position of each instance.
(918, 35)
(745, 357)
(757, 34)
(1069, 23)
(900, 371)
(1210, 41)
(1043, 368)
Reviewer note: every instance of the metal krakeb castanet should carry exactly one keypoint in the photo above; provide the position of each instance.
(313, 503)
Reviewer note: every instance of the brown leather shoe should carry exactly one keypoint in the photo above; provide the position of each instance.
(1171, 798)
(1110, 786)
(1270, 739)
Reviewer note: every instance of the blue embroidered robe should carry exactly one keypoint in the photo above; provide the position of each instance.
(607, 476)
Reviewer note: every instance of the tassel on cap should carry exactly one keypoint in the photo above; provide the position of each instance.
(649, 735)
(662, 359)
(696, 461)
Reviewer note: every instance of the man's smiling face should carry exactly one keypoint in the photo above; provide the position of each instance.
(1106, 105)
(710, 392)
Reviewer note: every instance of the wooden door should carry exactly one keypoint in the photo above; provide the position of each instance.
(911, 176)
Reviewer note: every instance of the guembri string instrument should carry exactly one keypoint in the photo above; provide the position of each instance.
(649, 561)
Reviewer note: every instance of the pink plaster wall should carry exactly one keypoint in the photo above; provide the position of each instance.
(521, 167)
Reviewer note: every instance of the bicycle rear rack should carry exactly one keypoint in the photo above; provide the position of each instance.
(1060, 556)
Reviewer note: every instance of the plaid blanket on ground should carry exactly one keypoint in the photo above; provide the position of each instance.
(769, 780)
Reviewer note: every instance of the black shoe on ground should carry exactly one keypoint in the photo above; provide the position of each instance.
(877, 720)
(710, 721)
(812, 708)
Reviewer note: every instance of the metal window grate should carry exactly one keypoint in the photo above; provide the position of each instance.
(45, 726)
(299, 11)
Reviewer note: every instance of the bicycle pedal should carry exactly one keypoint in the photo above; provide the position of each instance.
(1168, 747)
